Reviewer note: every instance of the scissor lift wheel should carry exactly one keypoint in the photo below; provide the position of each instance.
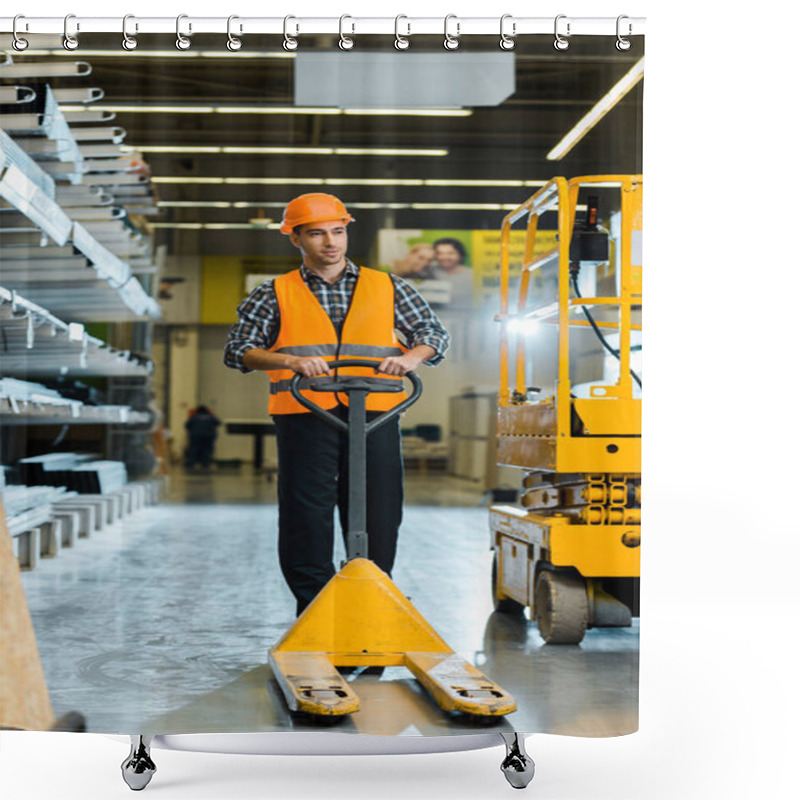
(502, 603)
(562, 607)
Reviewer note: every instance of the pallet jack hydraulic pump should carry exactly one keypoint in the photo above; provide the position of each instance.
(360, 618)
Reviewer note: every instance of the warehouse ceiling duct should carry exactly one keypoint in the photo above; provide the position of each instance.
(403, 80)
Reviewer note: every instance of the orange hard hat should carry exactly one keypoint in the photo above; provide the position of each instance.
(314, 207)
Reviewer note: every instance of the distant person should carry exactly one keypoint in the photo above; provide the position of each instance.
(202, 428)
(416, 263)
(450, 255)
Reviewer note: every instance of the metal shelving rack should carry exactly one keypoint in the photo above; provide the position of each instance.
(69, 250)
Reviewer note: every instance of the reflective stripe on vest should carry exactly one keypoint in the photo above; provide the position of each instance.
(306, 330)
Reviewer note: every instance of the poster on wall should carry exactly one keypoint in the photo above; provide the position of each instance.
(454, 268)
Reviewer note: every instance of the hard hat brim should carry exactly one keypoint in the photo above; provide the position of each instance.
(307, 220)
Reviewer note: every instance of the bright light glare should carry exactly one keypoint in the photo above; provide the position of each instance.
(524, 326)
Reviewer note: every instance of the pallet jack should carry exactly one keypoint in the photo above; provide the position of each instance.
(360, 618)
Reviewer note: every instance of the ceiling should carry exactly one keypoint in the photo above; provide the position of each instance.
(506, 142)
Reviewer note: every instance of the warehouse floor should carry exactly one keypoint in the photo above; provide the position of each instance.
(162, 623)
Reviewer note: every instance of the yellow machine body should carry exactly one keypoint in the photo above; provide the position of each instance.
(361, 618)
(581, 489)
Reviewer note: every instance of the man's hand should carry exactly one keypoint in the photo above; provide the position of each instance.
(399, 365)
(310, 366)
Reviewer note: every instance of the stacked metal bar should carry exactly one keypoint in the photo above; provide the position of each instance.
(70, 246)
(69, 249)
(78, 472)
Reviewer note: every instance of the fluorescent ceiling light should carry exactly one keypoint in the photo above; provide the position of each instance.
(373, 181)
(361, 206)
(154, 109)
(323, 151)
(346, 182)
(273, 181)
(240, 226)
(463, 206)
(311, 151)
(265, 109)
(447, 182)
(37, 51)
(386, 151)
(157, 179)
(167, 149)
(214, 226)
(599, 110)
(178, 225)
(410, 112)
(276, 110)
(195, 204)
(378, 206)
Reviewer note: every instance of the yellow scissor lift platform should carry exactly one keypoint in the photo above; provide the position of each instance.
(571, 551)
(360, 618)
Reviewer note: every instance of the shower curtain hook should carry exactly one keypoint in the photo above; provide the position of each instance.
(623, 43)
(401, 42)
(561, 43)
(70, 42)
(129, 42)
(451, 41)
(290, 43)
(19, 44)
(345, 42)
(182, 42)
(234, 43)
(507, 41)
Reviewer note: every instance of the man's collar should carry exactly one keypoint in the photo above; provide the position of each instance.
(350, 268)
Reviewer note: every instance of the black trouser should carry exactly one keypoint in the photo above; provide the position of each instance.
(312, 481)
(201, 448)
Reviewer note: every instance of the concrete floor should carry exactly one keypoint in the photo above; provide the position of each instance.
(162, 623)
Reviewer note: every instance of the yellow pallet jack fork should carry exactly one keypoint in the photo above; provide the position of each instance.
(361, 618)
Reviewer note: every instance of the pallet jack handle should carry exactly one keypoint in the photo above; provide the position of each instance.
(353, 384)
(357, 388)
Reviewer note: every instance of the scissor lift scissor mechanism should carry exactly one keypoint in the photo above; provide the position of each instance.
(571, 551)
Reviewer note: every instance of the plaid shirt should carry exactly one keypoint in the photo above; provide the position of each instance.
(259, 317)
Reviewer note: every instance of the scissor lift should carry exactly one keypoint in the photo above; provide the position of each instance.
(570, 552)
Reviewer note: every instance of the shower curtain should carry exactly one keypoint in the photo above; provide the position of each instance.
(493, 195)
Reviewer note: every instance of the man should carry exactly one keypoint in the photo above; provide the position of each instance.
(202, 429)
(449, 257)
(330, 309)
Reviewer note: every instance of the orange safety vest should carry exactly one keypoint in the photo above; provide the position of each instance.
(306, 330)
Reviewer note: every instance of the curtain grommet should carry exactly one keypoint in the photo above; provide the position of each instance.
(70, 42)
(19, 44)
(346, 42)
(401, 42)
(234, 43)
(451, 41)
(289, 42)
(622, 44)
(561, 42)
(507, 41)
(182, 42)
(129, 42)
